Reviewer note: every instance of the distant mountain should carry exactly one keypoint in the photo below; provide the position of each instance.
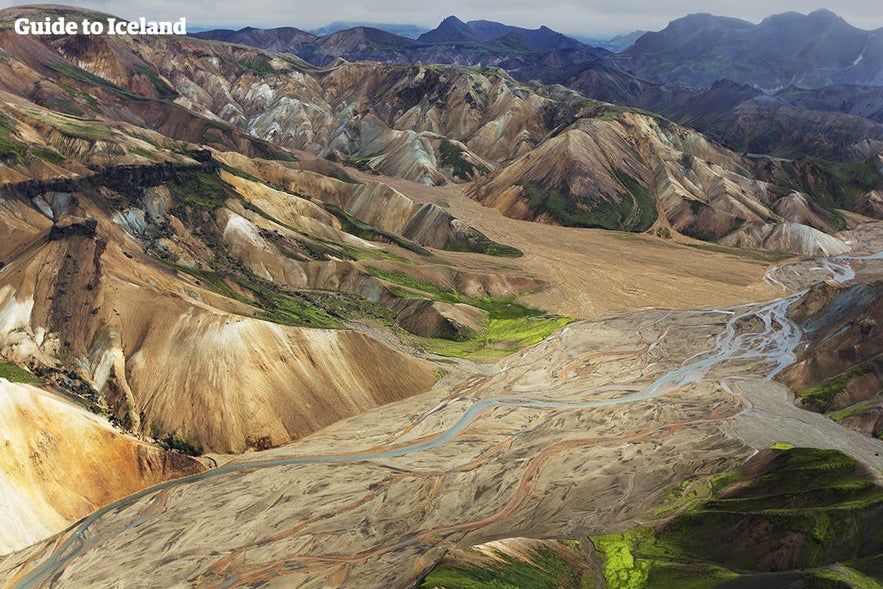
(281, 39)
(476, 43)
(450, 30)
(613, 44)
(408, 31)
(454, 30)
(811, 50)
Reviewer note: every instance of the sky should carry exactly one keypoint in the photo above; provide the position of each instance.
(592, 18)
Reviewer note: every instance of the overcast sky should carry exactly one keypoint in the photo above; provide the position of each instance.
(577, 17)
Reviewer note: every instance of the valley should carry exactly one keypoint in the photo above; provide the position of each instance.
(549, 442)
(470, 306)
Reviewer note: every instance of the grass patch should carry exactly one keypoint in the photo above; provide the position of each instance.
(47, 154)
(258, 64)
(81, 75)
(840, 577)
(622, 570)
(14, 373)
(850, 411)
(545, 569)
(636, 210)
(201, 189)
(822, 396)
(509, 326)
(185, 444)
(478, 242)
(286, 308)
(163, 90)
(360, 229)
(452, 156)
(75, 127)
(501, 337)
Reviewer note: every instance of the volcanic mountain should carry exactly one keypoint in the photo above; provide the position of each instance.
(227, 249)
(813, 50)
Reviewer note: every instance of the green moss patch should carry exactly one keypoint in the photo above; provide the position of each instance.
(789, 509)
(545, 569)
(635, 211)
(822, 396)
(14, 373)
(360, 229)
(201, 189)
(509, 326)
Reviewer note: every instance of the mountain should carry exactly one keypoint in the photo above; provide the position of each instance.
(353, 291)
(454, 30)
(476, 43)
(47, 435)
(450, 30)
(841, 372)
(409, 31)
(614, 44)
(811, 50)
(281, 39)
(435, 125)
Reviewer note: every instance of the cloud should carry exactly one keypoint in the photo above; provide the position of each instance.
(592, 17)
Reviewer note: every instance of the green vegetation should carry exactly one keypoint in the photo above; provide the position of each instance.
(163, 90)
(184, 444)
(850, 411)
(81, 75)
(822, 396)
(545, 569)
(12, 151)
(141, 152)
(501, 337)
(480, 243)
(686, 495)
(258, 64)
(806, 508)
(201, 189)
(508, 326)
(75, 127)
(365, 231)
(621, 569)
(14, 373)
(832, 185)
(47, 154)
(636, 210)
(837, 578)
(286, 308)
(452, 155)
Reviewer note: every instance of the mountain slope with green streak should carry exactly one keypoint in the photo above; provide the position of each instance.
(789, 515)
(535, 152)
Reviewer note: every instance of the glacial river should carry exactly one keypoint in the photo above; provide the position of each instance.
(759, 333)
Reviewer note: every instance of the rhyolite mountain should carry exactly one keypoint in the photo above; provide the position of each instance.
(806, 104)
(226, 249)
(435, 125)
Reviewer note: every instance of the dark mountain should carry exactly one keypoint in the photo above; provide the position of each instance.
(409, 31)
(811, 50)
(450, 30)
(281, 39)
(542, 38)
(477, 43)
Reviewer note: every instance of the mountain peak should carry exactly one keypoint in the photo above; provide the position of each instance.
(453, 21)
(450, 30)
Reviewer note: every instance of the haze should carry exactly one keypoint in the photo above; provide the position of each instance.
(594, 18)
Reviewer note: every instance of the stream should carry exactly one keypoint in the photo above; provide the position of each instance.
(759, 333)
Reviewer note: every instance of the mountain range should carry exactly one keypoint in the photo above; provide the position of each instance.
(379, 300)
